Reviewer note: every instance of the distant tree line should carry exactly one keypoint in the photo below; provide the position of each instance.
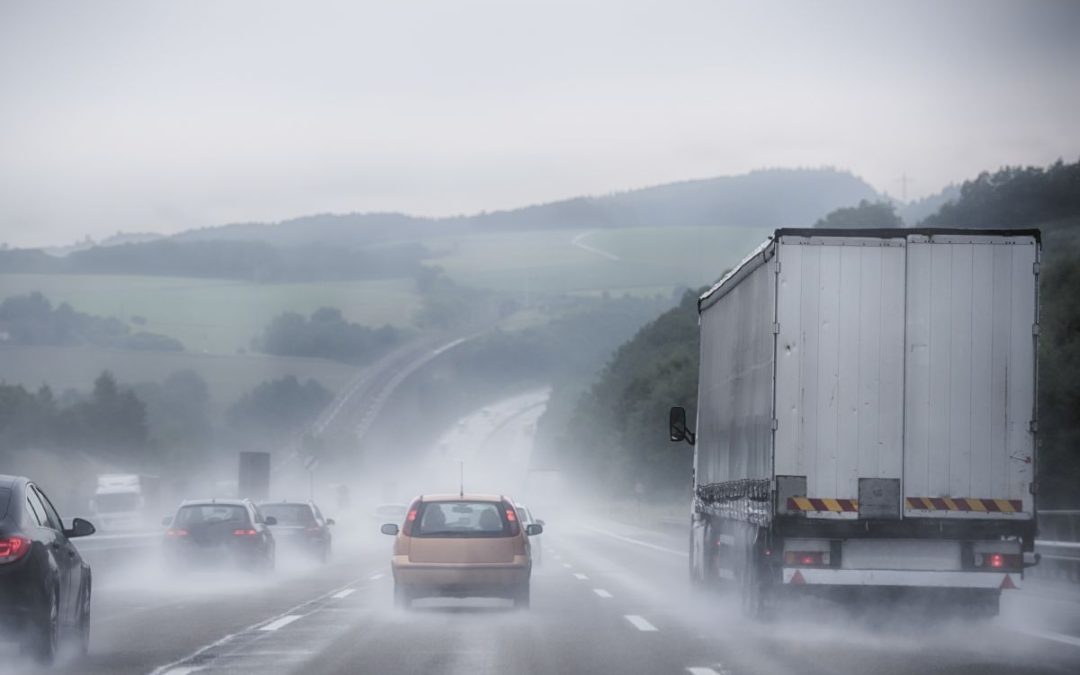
(152, 426)
(110, 422)
(326, 334)
(1014, 197)
(865, 215)
(245, 260)
(32, 320)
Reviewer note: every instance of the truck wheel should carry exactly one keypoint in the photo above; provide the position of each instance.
(402, 597)
(754, 591)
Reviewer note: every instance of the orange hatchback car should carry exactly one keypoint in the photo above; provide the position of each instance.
(461, 546)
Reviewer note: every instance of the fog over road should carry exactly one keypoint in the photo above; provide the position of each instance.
(609, 597)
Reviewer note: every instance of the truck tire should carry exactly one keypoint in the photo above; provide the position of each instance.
(756, 593)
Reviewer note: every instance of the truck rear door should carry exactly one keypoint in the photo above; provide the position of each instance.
(970, 376)
(839, 368)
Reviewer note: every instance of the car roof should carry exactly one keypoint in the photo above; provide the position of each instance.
(214, 502)
(285, 503)
(458, 497)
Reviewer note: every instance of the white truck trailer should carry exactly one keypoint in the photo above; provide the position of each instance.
(866, 415)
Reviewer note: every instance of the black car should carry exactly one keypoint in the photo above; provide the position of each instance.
(219, 532)
(44, 582)
(301, 526)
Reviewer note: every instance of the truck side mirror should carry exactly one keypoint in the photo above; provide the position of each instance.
(677, 429)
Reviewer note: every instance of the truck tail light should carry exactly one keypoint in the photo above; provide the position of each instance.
(244, 533)
(13, 548)
(806, 558)
(999, 561)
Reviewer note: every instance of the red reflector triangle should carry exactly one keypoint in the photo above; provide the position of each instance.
(796, 579)
(1007, 583)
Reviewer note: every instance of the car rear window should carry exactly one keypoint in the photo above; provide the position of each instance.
(289, 514)
(462, 519)
(208, 514)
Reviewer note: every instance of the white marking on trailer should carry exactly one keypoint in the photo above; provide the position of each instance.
(641, 624)
(581, 576)
(646, 544)
(282, 622)
(343, 594)
(602, 593)
(1047, 635)
(376, 576)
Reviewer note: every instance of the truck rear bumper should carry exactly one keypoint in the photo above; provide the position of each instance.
(910, 578)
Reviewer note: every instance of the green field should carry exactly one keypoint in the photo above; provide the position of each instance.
(217, 316)
(628, 260)
(227, 376)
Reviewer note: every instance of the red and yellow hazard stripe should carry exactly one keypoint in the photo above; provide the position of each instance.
(972, 504)
(816, 504)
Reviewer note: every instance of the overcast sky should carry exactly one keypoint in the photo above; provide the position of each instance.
(162, 116)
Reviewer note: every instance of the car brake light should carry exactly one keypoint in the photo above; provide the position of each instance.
(806, 558)
(178, 532)
(511, 519)
(13, 548)
(406, 529)
(999, 560)
(244, 533)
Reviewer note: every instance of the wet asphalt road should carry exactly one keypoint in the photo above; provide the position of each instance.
(607, 598)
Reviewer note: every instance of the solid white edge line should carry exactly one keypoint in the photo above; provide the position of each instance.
(1047, 635)
(183, 670)
(343, 594)
(282, 622)
(646, 544)
(641, 624)
(376, 576)
(174, 667)
(602, 593)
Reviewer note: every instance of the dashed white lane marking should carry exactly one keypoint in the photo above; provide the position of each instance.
(176, 667)
(581, 576)
(376, 576)
(602, 593)
(282, 622)
(567, 565)
(641, 624)
(646, 544)
(706, 671)
(1047, 635)
(344, 594)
